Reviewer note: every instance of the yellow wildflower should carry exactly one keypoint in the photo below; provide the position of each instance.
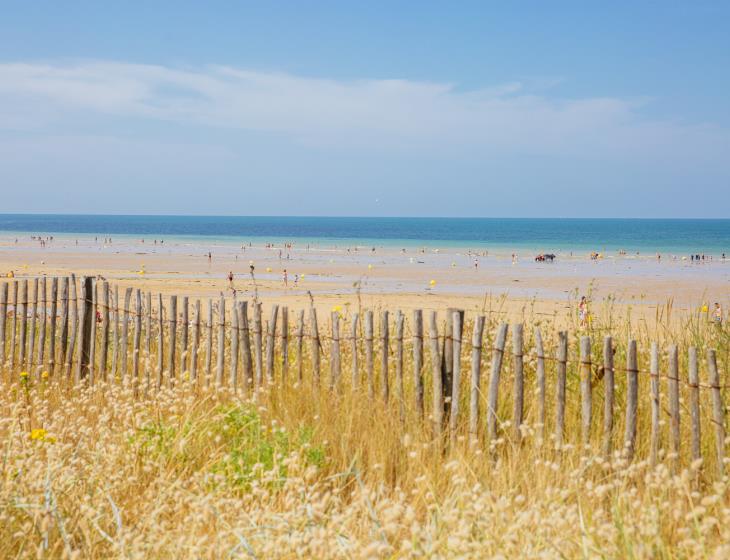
(24, 375)
(38, 434)
(44, 375)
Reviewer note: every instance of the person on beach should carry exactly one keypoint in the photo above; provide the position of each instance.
(583, 312)
(230, 279)
(717, 314)
(285, 278)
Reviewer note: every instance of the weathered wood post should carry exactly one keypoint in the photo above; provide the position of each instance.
(52, 327)
(384, 339)
(369, 367)
(608, 397)
(92, 346)
(673, 386)
(63, 335)
(104, 348)
(42, 327)
(519, 381)
(14, 331)
(335, 359)
(115, 332)
(196, 343)
(148, 345)
(476, 376)
(172, 344)
(3, 320)
(399, 320)
(184, 335)
(418, 361)
(437, 379)
(586, 393)
(271, 344)
(245, 344)
(23, 310)
(209, 344)
(284, 345)
(632, 399)
(541, 392)
(258, 359)
(562, 367)
(300, 345)
(220, 361)
(353, 350)
(234, 330)
(718, 412)
(72, 327)
(124, 355)
(33, 320)
(85, 329)
(456, 378)
(447, 361)
(655, 408)
(160, 341)
(493, 395)
(137, 336)
(315, 346)
(694, 405)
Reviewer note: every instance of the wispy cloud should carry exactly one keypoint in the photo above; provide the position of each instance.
(390, 114)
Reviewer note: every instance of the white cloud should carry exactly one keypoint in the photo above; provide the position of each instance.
(405, 115)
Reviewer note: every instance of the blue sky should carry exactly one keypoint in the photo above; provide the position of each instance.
(371, 108)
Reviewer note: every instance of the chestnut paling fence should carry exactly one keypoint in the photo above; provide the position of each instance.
(457, 376)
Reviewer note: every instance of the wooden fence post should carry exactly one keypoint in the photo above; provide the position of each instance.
(172, 345)
(23, 310)
(196, 343)
(257, 329)
(42, 327)
(115, 332)
(353, 349)
(104, 349)
(384, 337)
(476, 375)
(493, 395)
(300, 345)
(184, 335)
(148, 345)
(694, 404)
(234, 330)
(63, 338)
(3, 320)
(632, 399)
(655, 408)
(14, 331)
(455, 377)
(160, 341)
(586, 392)
(335, 359)
(562, 368)
(608, 398)
(418, 361)
(33, 320)
(271, 344)
(519, 381)
(315, 345)
(52, 327)
(540, 374)
(220, 361)
(92, 335)
(209, 345)
(137, 336)
(124, 354)
(437, 379)
(85, 329)
(673, 386)
(369, 368)
(399, 320)
(718, 412)
(73, 325)
(284, 345)
(245, 344)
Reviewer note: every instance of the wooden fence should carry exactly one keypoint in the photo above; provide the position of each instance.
(84, 332)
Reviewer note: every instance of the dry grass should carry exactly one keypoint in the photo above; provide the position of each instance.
(200, 472)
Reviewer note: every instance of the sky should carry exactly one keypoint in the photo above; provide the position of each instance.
(526, 109)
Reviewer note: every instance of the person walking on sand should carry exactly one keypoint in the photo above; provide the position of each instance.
(230, 279)
(583, 312)
(285, 278)
(717, 314)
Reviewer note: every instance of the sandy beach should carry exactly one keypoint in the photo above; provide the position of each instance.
(406, 278)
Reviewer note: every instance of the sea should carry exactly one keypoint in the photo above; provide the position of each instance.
(674, 236)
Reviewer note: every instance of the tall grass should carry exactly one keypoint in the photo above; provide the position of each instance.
(194, 470)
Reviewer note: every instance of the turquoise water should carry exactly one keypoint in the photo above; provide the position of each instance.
(644, 235)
